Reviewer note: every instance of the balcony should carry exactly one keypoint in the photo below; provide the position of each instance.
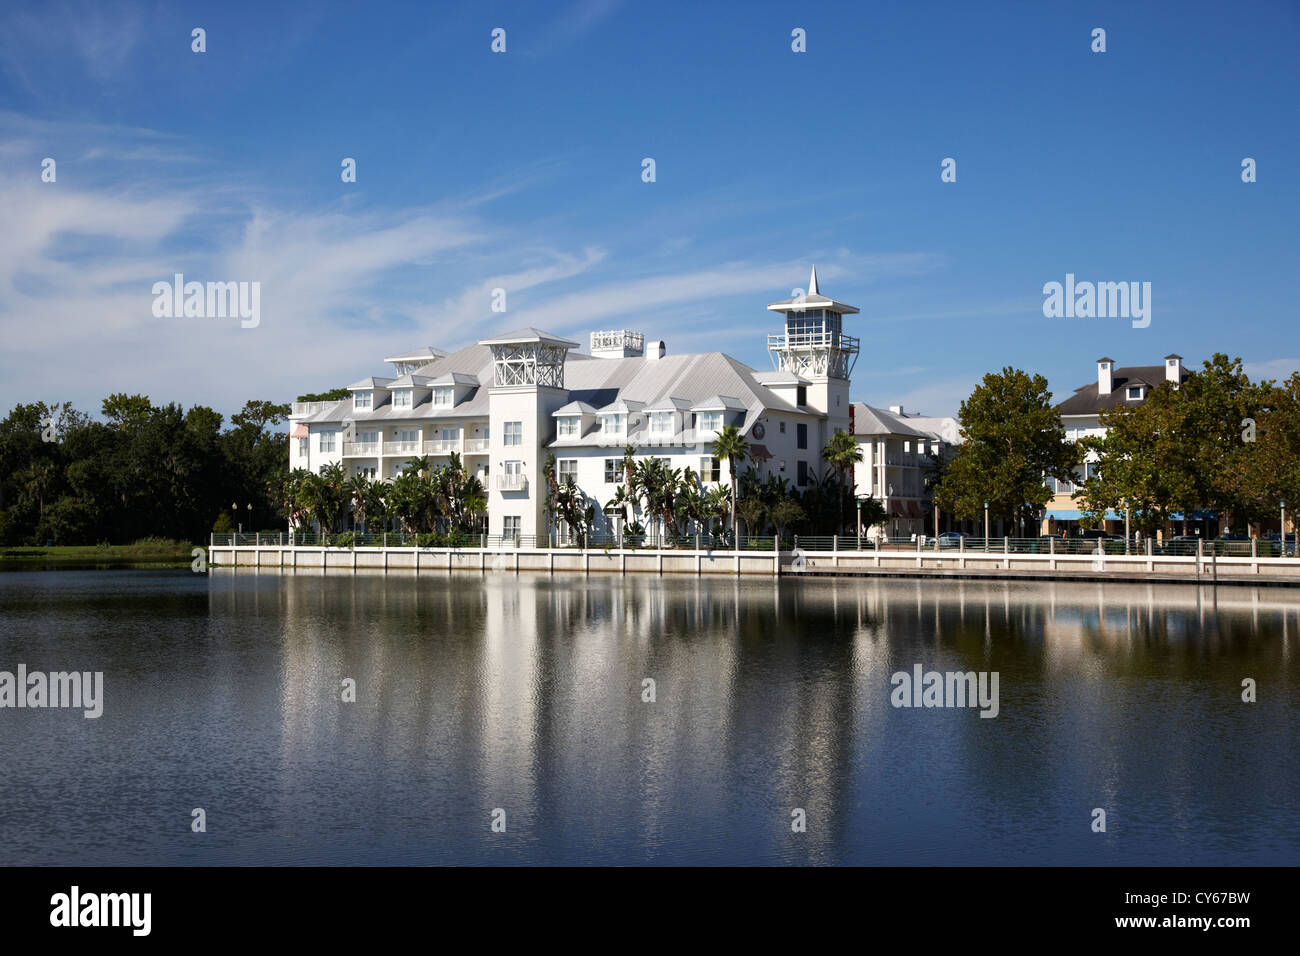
(476, 446)
(511, 482)
(360, 449)
(439, 446)
(401, 448)
(302, 409)
(812, 340)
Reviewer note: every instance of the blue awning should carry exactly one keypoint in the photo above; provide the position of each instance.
(1065, 514)
(1194, 516)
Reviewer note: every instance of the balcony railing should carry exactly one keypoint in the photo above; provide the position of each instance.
(511, 482)
(476, 446)
(401, 448)
(441, 446)
(301, 409)
(360, 449)
(810, 340)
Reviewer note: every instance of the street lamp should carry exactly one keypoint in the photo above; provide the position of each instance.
(1282, 529)
(986, 526)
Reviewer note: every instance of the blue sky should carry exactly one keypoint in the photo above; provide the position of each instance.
(523, 171)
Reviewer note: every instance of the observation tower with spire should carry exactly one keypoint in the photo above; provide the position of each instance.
(814, 347)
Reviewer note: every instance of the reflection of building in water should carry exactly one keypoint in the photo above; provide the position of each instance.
(526, 692)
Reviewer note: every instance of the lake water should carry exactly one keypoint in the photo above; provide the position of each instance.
(525, 693)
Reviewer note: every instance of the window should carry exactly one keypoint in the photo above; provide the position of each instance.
(368, 437)
(510, 526)
(514, 433)
(1134, 392)
(783, 428)
(666, 462)
(303, 449)
(613, 471)
(327, 441)
(366, 471)
(613, 424)
(361, 400)
(801, 395)
(710, 421)
(567, 468)
(710, 469)
(408, 434)
(444, 395)
(568, 427)
(661, 423)
(402, 398)
(803, 473)
(801, 438)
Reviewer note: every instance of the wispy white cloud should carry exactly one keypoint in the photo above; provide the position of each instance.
(1277, 369)
(99, 37)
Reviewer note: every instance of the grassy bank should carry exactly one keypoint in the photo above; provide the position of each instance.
(151, 552)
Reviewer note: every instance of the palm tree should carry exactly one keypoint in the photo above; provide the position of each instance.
(376, 505)
(646, 482)
(293, 496)
(551, 504)
(406, 499)
(620, 503)
(572, 507)
(330, 500)
(473, 502)
(842, 452)
(629, 480)
(716, 501)
(357, 490)
(731, 445)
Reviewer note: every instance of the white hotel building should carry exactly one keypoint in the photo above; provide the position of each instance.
(509, 400)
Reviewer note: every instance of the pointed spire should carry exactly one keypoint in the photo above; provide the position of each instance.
(812, 282)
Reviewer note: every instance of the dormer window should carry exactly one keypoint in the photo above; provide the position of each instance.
(613, 424)
(402, 398)
(661, 423)
(1135, 393)
(361, 400)
(568, 427)
(444, 396)
(710, 421)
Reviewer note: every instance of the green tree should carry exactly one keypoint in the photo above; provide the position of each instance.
(1012, 438)
(731, 445)
(842, 452)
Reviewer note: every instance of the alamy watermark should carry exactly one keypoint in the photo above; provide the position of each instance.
(75, 909)
(923, 688)
(56, 689)
(1101, 300)
(212, 300)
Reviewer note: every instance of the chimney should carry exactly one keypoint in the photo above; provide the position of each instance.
(655, 350)
(896, 409)
(1105, 368)
(1174, 369)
